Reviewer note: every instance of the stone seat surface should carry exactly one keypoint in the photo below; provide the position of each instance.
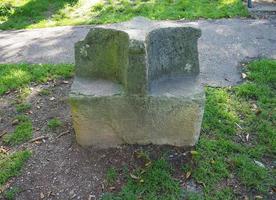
(97, 87)
(184, 86)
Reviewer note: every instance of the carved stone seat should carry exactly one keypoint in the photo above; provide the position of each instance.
(136, 83)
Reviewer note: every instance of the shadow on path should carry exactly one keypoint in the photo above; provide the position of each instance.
(33, 12)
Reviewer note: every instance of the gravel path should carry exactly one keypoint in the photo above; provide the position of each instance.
(223, 45)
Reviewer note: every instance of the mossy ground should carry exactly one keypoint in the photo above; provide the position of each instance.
(20, 14)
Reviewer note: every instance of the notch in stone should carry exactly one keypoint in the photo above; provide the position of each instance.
(136, 62)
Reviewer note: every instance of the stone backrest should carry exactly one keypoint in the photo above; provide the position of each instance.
(135, 57)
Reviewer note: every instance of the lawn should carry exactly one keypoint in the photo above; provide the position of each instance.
(21, 14)
(234, 158)
(17, 76)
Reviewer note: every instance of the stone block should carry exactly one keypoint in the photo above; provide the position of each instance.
(136, 83)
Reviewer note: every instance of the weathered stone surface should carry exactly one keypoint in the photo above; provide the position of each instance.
(172, 51)
(137, 84)
(103, 116)
(103, 54)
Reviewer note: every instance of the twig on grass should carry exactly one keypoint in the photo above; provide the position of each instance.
(38, 138)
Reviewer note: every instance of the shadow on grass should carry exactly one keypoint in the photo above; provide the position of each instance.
(33, 12)
(121, 10)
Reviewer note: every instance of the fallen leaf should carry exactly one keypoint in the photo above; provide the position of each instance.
(194, 153)
(258, 197)
(243, 75)
(188, 174)
(247, 137)
(42, 195)
(37, 142)
(259, 163)
(15, 122)
(3, 150)
(134, 177)
(50, 194)
(254, 106)
(200, 182)
(112, 188)
(148, 164)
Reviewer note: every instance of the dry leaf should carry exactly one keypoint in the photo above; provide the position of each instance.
(50, 193)
(200, 182)
(134, 177)
(244, 75)
(148, 164)
(254, 106)
(42, 195)
(259, 163)
(188, 174)
(247, 137)
(258, 197)
(3, 150)
(194, 153)
(15, 122)
(112, 188)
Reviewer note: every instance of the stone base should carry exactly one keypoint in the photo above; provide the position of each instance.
(103, 116)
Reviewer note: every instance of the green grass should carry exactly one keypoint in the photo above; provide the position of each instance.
(23, 107)
(14, 76)
(221, 155)
(18, 14)
(153, 183)
(22, 133)
(44, 92)
(11, 164)
(111, 175)
(54, 123)
(10, 193)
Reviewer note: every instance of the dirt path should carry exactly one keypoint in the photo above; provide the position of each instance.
(223, 45)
